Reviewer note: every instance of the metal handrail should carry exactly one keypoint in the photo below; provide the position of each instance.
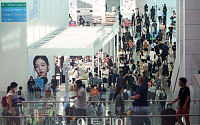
(99, 116)
(196, 100)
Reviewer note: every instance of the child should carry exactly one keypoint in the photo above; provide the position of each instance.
(21, 97)
(40, 104)
(32, 120)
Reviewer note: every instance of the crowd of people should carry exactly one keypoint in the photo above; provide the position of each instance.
(145, 66)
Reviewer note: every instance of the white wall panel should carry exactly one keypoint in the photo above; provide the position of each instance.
(16, 37)
(13, 52)
(42, 18)
(48, 16)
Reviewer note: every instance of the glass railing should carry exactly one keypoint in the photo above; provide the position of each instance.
(44, 116)
(100, 111)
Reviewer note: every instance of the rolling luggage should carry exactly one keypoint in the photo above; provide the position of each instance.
(168, 120)
(47, 93)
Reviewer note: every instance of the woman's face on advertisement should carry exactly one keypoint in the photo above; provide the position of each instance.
(41, 68)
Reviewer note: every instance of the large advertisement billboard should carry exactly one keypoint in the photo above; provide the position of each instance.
(41, 67)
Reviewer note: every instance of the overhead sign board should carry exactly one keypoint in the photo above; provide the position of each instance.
(13, 12)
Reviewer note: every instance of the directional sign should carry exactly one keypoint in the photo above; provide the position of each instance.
(13, 12)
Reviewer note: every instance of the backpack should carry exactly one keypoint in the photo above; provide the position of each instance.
(162, 96)
(145, 45)
(145, 67)
(125, 96)
(4, 101)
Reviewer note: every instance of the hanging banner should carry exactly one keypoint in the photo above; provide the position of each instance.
(128, 6)
(99, 11)
(73, 10)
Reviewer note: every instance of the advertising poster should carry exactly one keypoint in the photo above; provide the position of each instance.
(41, 67)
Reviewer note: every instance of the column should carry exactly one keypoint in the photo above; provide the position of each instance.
(192, 38)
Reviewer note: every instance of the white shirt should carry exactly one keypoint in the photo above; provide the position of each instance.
(144, 30)
(81, 103)
(144, 56)
(122, 53)
(113, 9)
(158, 92)
(159, 13)
(152, 89)
(105, 72)
(152, 54)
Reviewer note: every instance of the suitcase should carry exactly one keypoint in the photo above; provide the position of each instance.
(71, 87)
(168, 120)
(47, 93)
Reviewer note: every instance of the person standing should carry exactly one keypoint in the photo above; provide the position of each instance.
(174, 50)
(95, 81)
(31, 87)
(184, 97)
(119, 102)
(80, 99)
(105, 74)
(171, 31)
(153, 92)
(158, 82)
(158, 93)
(133, 19)
(21, 97)
(165, 10)
(159, 14)
(32, 120)
(120, 18)
(140, 105)
(113, 9)
(54, 85)
(152, 13)
(126, 24)
(145, 8)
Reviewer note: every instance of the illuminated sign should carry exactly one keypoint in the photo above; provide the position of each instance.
(13, 12)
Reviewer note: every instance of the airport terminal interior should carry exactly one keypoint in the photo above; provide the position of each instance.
(99, 62)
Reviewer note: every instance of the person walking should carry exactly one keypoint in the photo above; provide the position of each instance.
(152, 13)
(184, 97)
(140, 105)
(153, 93)
(80, 99)
(12, 100)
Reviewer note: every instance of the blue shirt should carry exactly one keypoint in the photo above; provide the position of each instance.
(114, 76)
(142, 91)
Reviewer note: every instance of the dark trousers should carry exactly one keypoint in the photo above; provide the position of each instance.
(80, 112)
(140, 120)
(153, 96)
(11, 120)
(54, 91)
(126, 28)
(152, 17)
(160, 19)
